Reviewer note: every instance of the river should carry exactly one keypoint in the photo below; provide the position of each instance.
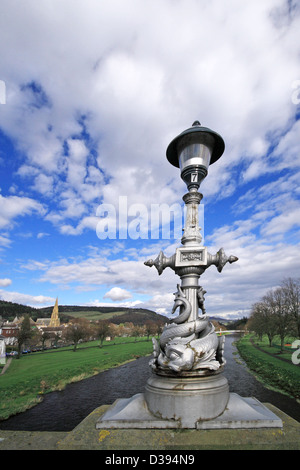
(62, 411)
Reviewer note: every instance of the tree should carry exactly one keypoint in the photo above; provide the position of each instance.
(283, 319)
(159, 327)
(256, 321)
(136, 331)
(262, 320)
(78, 330)
(56, 338)
(278, 313)
(239, 324)
(102, 331)
(24, 334)
(151, 328)
(291, 289)
(45, 337)
(114, 330)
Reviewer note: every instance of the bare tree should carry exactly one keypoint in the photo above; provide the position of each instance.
(102, 331)
(24, 334)
(136, 331)
(45, 337)
(159, 327)
(278, 312)
(151, 329)
(276, 301)
(77, 330)
(263, 319)
(291, 289)
(256, 320)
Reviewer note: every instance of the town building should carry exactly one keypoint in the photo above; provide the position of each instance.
(2, 350)
(51, 326)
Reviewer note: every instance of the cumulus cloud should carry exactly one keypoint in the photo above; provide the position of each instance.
(119, 61)
(5, 282)
(95, 91)
(232, 292)
(26, 299)
(116, 293)
(12, 207)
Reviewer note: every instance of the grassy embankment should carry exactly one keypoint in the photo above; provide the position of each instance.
(29, 378)
(267, 366)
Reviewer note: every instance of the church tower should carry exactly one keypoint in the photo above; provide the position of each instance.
(55, 321)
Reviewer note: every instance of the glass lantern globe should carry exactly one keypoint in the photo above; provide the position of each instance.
(193, 151)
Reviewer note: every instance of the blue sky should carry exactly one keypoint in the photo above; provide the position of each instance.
(91, 95)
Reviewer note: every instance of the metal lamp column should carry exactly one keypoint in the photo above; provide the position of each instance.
(187, 384)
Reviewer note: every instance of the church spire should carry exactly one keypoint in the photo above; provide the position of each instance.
(55, 321)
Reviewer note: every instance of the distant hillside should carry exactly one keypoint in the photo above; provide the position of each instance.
(117, 315)
(8, 310)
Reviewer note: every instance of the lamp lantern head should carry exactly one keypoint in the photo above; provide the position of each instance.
(193, 151)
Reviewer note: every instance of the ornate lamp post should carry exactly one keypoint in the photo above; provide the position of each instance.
(187, 384)
(186, 388)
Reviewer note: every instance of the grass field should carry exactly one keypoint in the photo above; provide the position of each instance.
(267, 365)
(94, 315)
(29, 378)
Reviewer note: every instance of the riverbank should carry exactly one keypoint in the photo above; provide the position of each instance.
(273, 369)
(30, 378)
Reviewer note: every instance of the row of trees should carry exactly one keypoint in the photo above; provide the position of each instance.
(82, 329)
(278, 312)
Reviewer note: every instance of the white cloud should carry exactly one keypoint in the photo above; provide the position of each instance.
(262, 265)
(95, 91)
(33, 265)
(76, 162)
(287, 152)
(4, 241)
(42, 235)
(116, 293)
(139, 88)
(288, 219)
(26, 299)
(86, 222)
(126, 304)
(44, 184)
(12, 207)
(5, 282)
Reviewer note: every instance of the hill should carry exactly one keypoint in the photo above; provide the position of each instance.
(117, 315)
(8, 310)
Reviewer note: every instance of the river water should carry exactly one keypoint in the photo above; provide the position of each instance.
(62, 411)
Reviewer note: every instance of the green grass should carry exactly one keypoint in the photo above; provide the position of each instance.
(93, 315)
(29, 378)
(275, 348)
(280, 375)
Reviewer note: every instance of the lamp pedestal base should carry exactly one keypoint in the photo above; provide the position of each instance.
(187, 399)
(240, 413)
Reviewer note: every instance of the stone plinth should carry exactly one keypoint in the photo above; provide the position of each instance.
(240, 413)
(187, 399)
(155, 441)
